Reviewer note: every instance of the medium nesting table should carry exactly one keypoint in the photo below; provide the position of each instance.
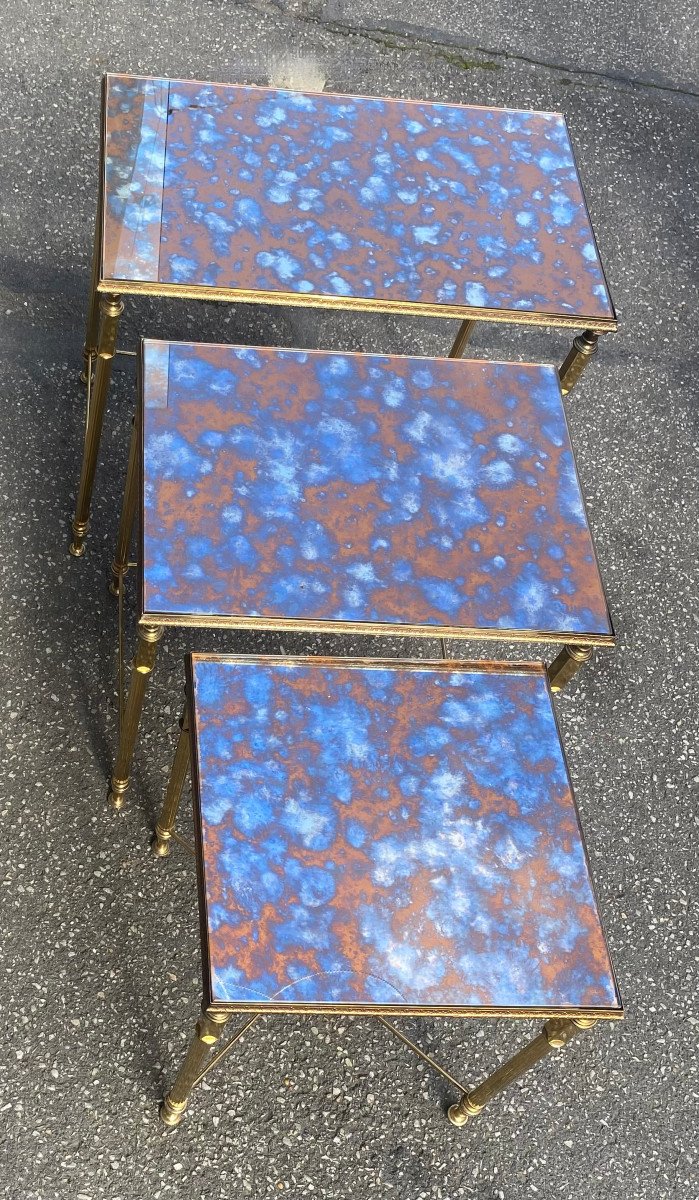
(382, 839)
(288, 489)
(234, 193)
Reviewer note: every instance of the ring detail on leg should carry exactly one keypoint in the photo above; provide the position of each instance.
(584, 347)
(143, 663)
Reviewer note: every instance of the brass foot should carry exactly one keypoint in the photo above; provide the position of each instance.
(160, 844)
(460, 1113)
(117, 793)
(77, 546)
(171, 1113)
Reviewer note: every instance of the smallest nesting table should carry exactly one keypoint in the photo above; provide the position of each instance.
(386, 838)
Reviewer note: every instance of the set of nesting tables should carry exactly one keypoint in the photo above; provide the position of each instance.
(376, 837)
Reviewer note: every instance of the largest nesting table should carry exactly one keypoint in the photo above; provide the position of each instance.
(234, 193)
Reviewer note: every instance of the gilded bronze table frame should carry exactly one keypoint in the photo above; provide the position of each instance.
(106, 307)
(560, 1027)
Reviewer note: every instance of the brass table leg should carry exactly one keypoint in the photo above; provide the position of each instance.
(111, 308)
(166, 821)
(93, 312)
(120, 564)
(208, 1031)
(556, 1033)
(583, 349)
(463, 337)
(143, 663)
(566, 664)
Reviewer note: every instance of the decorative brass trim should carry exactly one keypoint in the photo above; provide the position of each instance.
(137, 287)
(397, 1010)
(361, 662)
(291, 624)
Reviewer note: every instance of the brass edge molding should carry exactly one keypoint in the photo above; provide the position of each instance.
(393, 1010)
(355, 662)
(354, 303)
(292, 624)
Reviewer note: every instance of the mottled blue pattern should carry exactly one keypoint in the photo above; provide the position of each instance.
(358, 199)
(364, 490)
(391, 835)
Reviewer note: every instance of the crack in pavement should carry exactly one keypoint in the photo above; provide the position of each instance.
(411, 37)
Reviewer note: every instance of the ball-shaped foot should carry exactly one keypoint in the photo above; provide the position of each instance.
(456, 1116)
(171, 1114)
(77, 548)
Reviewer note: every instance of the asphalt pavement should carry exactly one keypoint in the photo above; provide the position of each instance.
(99, 974)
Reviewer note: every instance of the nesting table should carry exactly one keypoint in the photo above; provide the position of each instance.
(359, 493)
(235, 193)
(372, 837)
(383, 839)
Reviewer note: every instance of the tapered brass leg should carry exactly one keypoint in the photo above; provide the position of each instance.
(556, 1032)
(208, 1031)
(566, 664)
(463, 337)
(111, 309)
(166, 821)
(128, 511)
(143, 663)
(93, 312)
(583, 349)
